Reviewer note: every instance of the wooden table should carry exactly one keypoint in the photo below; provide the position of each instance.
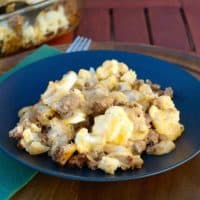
(182, 183)
(167, 23)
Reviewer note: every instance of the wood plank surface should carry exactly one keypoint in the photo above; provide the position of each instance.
(130, 25)
(191, 10)
(130, 3)
(181, 183)
(168, 28)
(95, 23)
(192, 3)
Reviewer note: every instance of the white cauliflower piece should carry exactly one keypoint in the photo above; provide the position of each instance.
(163, 147)
(31, 141)
(129, 77)
(51, 21)
(29, 35)
(164, 102)
(118, 96)
(124, 86)
(86, 76)
(110, 82)
(132, 95)
(111, 67)
(58, 89)
(166, 122)
(108, 164)
(146, 92)
(59, 133)
(114, 124)
(77, 117)
(86, 142)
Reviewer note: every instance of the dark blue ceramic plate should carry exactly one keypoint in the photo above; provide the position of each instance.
(24, 88)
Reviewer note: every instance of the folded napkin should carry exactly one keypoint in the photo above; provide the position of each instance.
(14, 175)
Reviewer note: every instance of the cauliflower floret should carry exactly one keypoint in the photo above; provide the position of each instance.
(56, 90)
(86, 76)
(166, 122)
(114, 124)
(31, 141)
(25, 113)
(36, 148)
(164, 102)
(77, 117)
(108, 68)
(129, 77)
(59, 133)
(124, 86)
(132, 95)
(119, 97)
(29, 35)
(118, 149)
(111, 67)
(110, 82)
(51, 21)
(108, 164)
(87, 142)
(161, 148)
(146, 92)
(123, 68)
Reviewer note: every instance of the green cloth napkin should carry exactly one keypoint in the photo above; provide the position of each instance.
(14, 175)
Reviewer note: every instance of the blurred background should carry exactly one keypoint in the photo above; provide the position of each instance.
(26, 24)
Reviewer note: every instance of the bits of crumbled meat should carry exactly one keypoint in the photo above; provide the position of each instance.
(43, 137)
(78, 160)
(148, 120)
(100, 105)
(68, 103)
(97, 100)
(62, 154)
(85, 124)
(152, 138)
(154, 87)
(42, 113)
(131, 162)
(137, 84)
(56, 155)
(169, 92)
(93, 159)
(138, 146)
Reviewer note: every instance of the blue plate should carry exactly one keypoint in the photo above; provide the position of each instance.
(25, 86)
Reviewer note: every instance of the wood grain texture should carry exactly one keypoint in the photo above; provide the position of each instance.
(95, 23)
(181, 183)
(168, 28)
(193, 18)
(192, 3)
(130, 25)
(130, 3)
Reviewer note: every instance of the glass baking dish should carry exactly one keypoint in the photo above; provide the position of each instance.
(37, 23)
